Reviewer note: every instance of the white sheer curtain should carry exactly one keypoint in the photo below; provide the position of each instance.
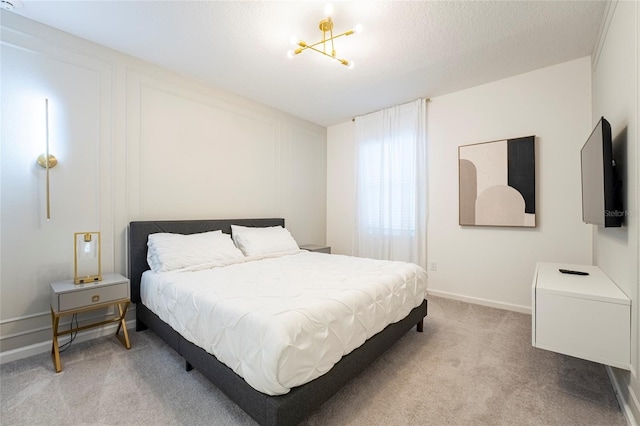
(391, 184)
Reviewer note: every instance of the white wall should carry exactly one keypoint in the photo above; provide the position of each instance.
(341, 188)
(491, 265)
(497, 264)
(616, 94)
(134, 142)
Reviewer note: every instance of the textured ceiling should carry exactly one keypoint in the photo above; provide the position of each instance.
(408, 49)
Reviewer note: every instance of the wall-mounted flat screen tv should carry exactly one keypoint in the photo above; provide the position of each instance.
(600, 186)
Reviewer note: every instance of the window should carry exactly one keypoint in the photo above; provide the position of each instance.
(391, 190)
(388, 188)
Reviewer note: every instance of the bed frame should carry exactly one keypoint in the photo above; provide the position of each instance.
(288, 409)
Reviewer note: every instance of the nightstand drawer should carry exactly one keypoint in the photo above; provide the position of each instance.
(92, 296)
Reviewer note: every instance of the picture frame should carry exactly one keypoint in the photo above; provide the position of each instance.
(497, 183)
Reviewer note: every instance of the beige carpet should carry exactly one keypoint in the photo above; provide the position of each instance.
(473, 365)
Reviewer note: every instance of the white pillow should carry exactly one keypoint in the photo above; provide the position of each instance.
(167, 252)
(259, 241)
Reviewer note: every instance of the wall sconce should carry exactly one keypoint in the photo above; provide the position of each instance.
(87, 266)
(47, 161)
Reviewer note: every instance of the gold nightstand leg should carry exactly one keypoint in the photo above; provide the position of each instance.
(55, 350)
(123, 325)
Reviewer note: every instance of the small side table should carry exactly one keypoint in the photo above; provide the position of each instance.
(316, 248)
(68, 298)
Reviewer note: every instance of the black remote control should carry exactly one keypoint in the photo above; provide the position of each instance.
(569, 271)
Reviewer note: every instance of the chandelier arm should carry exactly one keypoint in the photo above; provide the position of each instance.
(343, 34)
(333, 48)
(320, 51)
(306, 46)
(342, 61)
(324, 41)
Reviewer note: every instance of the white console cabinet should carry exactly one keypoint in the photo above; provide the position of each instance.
(585, 316)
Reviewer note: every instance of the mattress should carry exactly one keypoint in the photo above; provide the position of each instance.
(282, 321)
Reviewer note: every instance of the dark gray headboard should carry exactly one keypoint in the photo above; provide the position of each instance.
(139, 233)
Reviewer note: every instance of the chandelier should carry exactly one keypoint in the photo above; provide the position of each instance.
(324, 46)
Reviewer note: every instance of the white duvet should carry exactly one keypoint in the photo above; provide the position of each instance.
(281, 322)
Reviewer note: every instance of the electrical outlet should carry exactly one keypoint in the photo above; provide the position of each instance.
(433, 266)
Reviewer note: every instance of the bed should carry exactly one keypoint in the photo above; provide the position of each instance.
(288, 408)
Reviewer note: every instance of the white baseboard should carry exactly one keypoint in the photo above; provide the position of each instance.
(42, 347)
(479, 301)
(628, 405)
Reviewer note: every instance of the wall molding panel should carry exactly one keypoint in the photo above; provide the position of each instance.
(39, 251)
(134, 141)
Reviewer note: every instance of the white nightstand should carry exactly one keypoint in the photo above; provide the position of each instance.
(68, 298)
(585, 316)
(316, 248)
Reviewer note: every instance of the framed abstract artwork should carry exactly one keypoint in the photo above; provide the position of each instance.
(497, 183)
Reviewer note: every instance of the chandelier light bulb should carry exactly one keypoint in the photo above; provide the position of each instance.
(351, 65)
(328, 9)
(294, 40)
(291, 54)
(358, 29)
